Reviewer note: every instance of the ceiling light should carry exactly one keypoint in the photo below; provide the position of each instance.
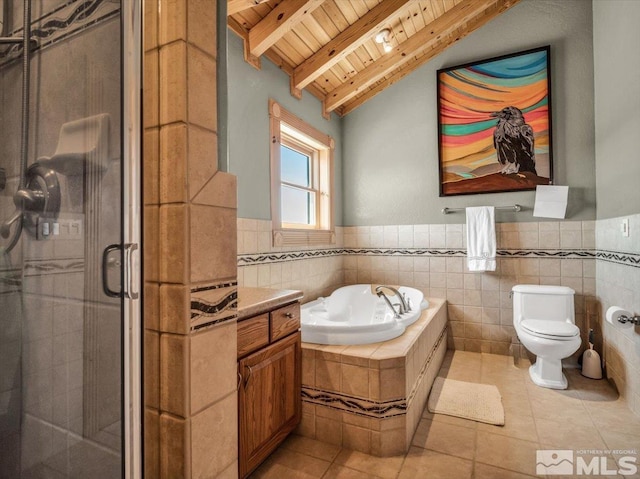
(383, 38)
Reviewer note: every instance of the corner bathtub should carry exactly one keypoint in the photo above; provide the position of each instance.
(356, 315)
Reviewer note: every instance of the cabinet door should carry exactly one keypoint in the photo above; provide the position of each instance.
(269, 400)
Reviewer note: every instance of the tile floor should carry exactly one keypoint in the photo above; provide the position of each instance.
(588, 416)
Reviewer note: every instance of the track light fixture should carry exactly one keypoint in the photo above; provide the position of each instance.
(383, 38)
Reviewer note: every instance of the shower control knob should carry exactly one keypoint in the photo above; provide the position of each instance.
(30, 200)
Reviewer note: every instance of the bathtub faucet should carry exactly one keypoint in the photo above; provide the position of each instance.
(402, 306)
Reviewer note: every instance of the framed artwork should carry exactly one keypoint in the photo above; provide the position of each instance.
(494, 124)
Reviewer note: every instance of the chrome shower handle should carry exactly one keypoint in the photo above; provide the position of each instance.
(29, 199)
(25, 200)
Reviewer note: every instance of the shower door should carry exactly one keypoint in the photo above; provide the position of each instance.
(69, 208)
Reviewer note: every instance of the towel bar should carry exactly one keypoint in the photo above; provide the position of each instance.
(516, 208)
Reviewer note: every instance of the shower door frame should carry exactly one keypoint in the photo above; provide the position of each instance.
(131, 240)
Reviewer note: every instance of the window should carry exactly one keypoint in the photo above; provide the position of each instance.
(301, 181)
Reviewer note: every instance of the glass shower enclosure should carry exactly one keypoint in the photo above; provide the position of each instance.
(69, 236)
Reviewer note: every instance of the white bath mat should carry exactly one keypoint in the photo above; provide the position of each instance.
(478, 402)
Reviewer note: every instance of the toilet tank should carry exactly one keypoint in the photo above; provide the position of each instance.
(532, 301)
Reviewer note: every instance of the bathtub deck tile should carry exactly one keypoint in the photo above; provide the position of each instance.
(373, 387)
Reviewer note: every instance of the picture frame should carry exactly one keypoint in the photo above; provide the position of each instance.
(495, 125)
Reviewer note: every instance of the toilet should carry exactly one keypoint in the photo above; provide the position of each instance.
(544, 319)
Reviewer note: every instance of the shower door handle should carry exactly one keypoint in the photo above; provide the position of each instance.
(131, 262)
(105, 271)
(130, 256)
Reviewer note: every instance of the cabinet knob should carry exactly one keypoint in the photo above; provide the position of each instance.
(288, 315)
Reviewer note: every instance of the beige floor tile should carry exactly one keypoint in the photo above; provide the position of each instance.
(506, 452)
(459, 374)
(342, 472)
(272, 470)
(558, 395)
(562, 411)
(598, 393)
(619, 440)
(587, 416)
(483, 471)
(460, 360)
(300, 462)
(456, 421)
(613, 416)
(424, 463)
(568, 436)
(311, 447)
(445, 438)
(592, 389)
(516, 404)
(496, 360)
(507, 386)
(385, 467)
(515, 425)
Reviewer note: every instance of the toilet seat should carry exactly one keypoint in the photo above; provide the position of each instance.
(549, 329)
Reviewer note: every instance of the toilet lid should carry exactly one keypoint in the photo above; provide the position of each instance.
(550, 329)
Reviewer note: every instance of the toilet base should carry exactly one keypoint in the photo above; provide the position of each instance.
(547, 373)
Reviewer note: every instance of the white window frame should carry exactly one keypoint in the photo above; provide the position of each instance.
(291, 131)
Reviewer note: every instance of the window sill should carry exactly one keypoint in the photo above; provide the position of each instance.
(301, 237)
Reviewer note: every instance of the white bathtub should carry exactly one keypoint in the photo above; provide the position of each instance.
(356, 315)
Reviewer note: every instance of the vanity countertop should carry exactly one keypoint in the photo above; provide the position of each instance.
(252, 301)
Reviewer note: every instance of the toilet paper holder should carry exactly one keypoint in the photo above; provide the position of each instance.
(629, 319)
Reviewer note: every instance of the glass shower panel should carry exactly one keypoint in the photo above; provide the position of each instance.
(61, 336)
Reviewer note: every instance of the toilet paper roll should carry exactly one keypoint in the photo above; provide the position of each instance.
(613, 313)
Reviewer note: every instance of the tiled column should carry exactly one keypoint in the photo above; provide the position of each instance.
(189, 251)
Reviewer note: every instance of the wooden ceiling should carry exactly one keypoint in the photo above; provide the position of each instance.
(328, 47)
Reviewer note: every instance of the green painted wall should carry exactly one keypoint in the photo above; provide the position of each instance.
(390, 145)
(249, 92)
(616, 39)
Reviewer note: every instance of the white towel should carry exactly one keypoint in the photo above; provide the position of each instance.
(481, 238)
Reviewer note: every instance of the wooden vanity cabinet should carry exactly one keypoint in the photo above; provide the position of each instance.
(270, 377)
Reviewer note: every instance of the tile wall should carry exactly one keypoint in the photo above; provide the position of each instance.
(313, 270)
(618, 284)
(190, 250)
(432, 259)
(55, 349)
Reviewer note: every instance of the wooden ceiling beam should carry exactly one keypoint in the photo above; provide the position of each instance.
(277, 23)
(235, 6)
(244, 34)
(445, 43)
(418, 43)
(346, 42)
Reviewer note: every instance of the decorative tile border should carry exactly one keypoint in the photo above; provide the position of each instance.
(213, 304)
(368, 407)
(627, 259)
(10, 281)
(62, 22)
(281, 257)
(43, 267)
(353, 405)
